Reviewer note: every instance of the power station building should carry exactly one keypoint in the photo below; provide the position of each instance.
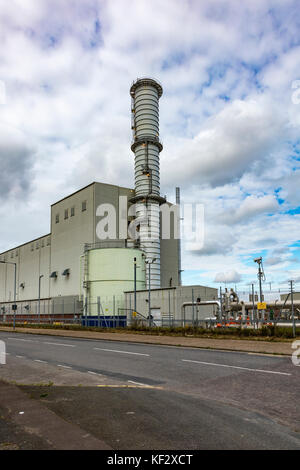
(104, 240)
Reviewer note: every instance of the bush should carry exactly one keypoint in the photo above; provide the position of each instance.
(269, 331)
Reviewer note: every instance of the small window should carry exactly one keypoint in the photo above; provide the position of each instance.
(66, 214)
(57, 218)
(83, 206)
(72, 211)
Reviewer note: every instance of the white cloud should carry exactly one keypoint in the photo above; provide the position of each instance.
(228, 124)
(228, 276)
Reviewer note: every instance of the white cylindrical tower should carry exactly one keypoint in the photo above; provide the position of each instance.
(145, 94)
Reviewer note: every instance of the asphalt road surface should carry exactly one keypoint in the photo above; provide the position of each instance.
(137, 396)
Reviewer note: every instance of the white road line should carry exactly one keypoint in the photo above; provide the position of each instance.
(138, 383)
(28, 340)
(39, 360)
(65, 367)
(20, 356)
(61, 344)
(122, 352)
(94, 373)
(236, 367)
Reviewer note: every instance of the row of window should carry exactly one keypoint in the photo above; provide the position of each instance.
(38, 244)
(72, 212)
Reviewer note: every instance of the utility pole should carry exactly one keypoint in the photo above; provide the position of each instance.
(260, 275)
(293, 313)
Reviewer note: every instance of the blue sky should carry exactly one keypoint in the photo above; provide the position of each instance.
(229, 118)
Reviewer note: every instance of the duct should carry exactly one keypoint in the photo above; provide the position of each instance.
(207, 302)
(145, 94)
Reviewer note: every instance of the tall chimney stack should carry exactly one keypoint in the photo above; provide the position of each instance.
(145, 94)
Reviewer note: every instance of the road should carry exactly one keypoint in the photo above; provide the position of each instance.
(179, 397)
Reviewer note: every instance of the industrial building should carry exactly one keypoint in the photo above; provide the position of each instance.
(105, 242)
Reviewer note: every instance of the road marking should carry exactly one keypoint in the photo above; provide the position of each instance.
(138, 383)
(237, 367)
(61, 344)
(20, 356)
(65, 367)
(122, 352)
(129, 386)
(28, 340)
(39, 360)
(94, 373)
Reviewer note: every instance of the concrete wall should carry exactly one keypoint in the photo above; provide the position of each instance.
(169, 301)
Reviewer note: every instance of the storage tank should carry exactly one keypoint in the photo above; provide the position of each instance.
(108, 273)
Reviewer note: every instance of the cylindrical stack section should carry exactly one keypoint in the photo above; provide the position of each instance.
(146, 146)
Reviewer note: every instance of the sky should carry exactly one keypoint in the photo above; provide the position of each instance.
(229, 119)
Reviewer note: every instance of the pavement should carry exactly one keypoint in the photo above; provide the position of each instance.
(255, 346)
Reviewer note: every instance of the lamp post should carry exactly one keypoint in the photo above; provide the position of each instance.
(149, 262)
(40, 277)
(134, 286)
(15, 288)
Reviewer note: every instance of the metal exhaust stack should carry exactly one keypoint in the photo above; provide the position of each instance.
(145, 94)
